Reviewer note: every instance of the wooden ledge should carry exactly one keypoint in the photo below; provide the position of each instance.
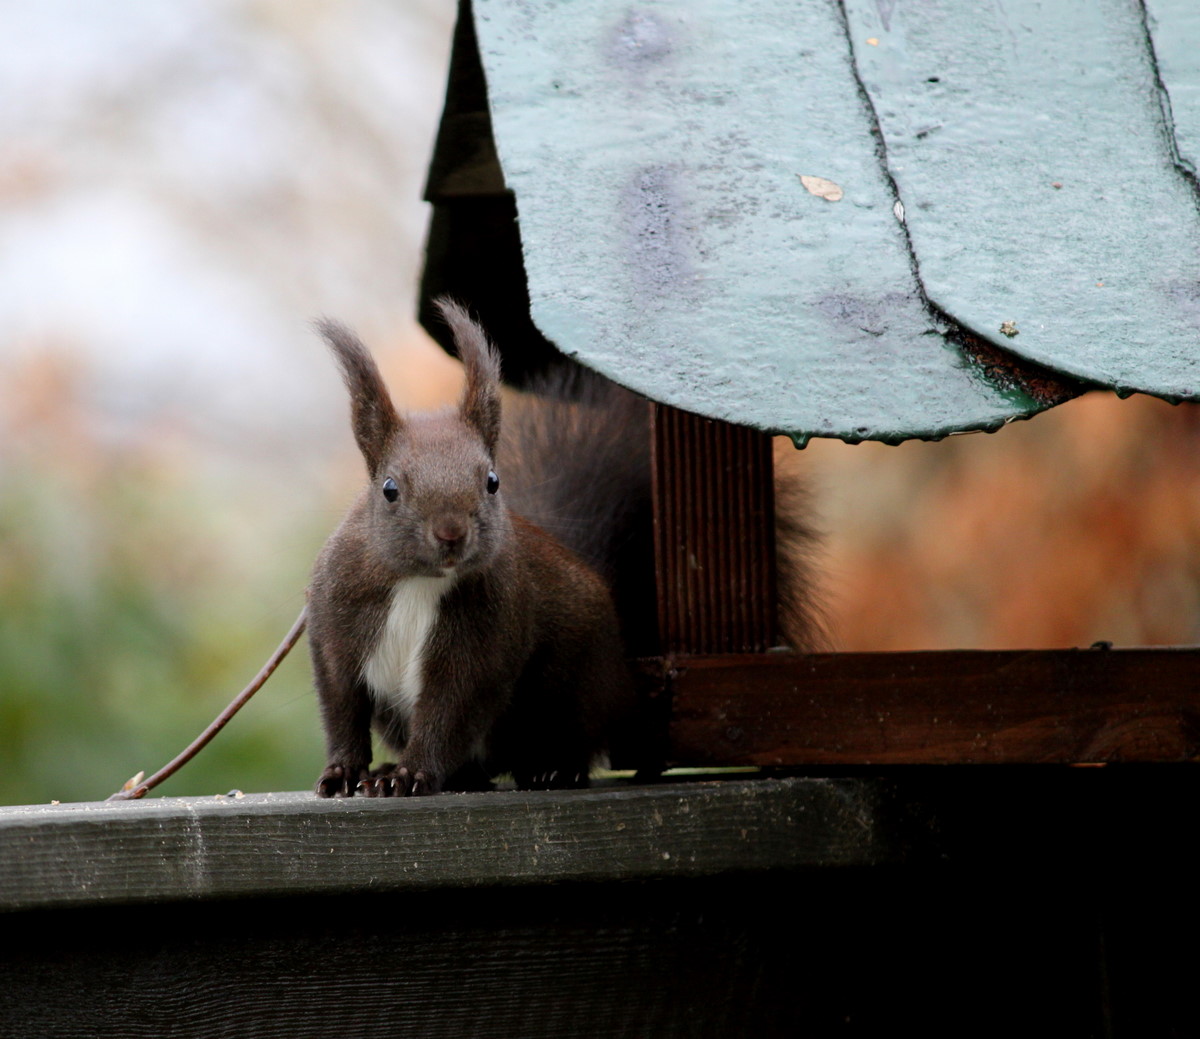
(296, 844)
(957, 707)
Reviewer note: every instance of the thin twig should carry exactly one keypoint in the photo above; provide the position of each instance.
(140, 789)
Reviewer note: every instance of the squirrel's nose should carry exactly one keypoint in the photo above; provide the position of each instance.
(450, 531)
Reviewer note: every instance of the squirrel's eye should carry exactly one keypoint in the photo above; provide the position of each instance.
(493, 483)
(390, 490)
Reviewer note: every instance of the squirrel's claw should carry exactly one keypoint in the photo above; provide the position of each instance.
(340, 780)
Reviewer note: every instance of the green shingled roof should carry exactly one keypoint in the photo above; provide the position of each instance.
(870, 219)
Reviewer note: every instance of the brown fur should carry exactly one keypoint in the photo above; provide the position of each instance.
(524, 654)
(576, 453)
(801, 620)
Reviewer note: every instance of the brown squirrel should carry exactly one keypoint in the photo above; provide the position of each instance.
(478, 639)
(471, 640)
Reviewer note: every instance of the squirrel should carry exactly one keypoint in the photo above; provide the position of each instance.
(474, 642)
(478, 637)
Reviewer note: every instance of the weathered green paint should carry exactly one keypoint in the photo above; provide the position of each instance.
(656, 152)
(984, 109)
(1174, 28)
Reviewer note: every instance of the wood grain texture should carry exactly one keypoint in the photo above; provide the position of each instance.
(958, 707)
(184, 848)
(714, 534)
(617, 960)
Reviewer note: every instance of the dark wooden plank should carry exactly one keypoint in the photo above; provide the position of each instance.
(935, 708)
(829, 954)
(714, 534)
(1054, 895)
(188, 848)
(631, 960)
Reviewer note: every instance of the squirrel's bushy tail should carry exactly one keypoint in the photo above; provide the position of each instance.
(801, 620)
(575, 458)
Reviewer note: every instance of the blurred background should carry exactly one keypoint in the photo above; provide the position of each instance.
(183, 187)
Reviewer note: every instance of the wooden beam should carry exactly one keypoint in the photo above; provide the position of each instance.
(1025, 894)
(784, 709)
(167, 849)
(714, 534)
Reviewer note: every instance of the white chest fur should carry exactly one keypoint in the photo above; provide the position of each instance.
(393, 670)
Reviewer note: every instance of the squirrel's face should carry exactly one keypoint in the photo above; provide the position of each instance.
(434, 503)
(432, 507)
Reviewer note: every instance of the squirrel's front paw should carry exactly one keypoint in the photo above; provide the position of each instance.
(340, 780)
(399, 781)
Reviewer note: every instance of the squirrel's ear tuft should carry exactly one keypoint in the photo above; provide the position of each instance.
(480, 404)
(372, 413)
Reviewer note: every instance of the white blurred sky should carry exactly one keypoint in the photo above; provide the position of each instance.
(184, 185)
